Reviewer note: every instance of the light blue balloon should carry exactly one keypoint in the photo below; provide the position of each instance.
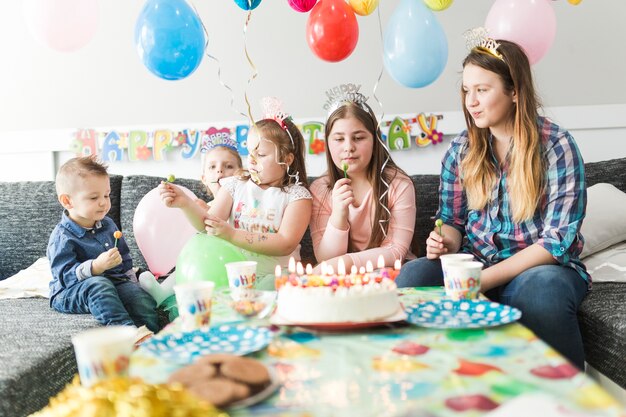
(415, 45)
(248, 4)
(170, 38)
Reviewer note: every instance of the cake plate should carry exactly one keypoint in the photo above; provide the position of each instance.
(399, 315)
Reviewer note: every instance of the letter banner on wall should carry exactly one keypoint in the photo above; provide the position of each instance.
(399, 134)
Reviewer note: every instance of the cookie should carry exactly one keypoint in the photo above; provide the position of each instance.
(247, 371)
(216, 359)
(219, 392)
(190, 375)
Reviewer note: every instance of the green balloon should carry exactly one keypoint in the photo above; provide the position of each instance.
(203, 258)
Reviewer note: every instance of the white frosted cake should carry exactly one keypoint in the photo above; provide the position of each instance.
(337, 302)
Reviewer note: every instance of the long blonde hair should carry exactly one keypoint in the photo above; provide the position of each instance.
(526, 165)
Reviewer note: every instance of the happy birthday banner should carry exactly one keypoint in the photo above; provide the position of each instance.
(399, 134)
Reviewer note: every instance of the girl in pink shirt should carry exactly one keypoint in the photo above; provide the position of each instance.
(358, 213)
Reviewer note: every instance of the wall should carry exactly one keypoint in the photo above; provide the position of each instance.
(47, 94)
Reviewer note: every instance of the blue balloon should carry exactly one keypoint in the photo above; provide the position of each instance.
(170, 38)
(415, 45)
(248, 4)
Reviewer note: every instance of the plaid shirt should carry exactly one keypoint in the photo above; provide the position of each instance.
(491, 234)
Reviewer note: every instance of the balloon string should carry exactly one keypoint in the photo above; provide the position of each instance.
(219, 65)
(255, 72)
(382, 222)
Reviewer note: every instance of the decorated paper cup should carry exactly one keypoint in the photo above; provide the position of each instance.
(453, 258)
(462, 280)
(194, 304)
(103, 352)
(241, 275)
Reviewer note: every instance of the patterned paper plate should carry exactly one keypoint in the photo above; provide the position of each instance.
(463, 314)
(185, 347)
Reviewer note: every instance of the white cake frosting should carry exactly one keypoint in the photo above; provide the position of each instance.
(357, 303)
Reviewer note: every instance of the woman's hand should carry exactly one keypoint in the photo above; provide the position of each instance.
(342, 197)
(172, 196)
(435, 245)
(218, 227)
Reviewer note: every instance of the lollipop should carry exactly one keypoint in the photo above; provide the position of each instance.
(439, 223)
(171, 178)
(344, 166)
(117, 235)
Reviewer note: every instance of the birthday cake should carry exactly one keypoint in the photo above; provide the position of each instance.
(341, 299)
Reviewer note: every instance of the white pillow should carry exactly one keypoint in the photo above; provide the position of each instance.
(605, 223)
(30, 282)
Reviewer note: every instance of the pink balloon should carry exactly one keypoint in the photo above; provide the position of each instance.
(302, 6)
(160, 231)
(63, 25)
(529, 23)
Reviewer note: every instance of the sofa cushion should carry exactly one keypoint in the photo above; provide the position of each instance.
(30, 210)
(602, 318)
(134, 188)
(605, 223)
(36, 353)
(612, 172)
(427, 202)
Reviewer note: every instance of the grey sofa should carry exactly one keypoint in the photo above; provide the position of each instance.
(36, 356)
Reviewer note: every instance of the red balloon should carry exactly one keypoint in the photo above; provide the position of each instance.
(332, 30)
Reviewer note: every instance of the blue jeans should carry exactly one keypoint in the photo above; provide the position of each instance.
(548, 297)
(111, 302)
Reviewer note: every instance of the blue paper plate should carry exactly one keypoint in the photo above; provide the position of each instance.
(463, 314)
(185, 347)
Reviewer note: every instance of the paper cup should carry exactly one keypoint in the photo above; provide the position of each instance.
(462, 280)
(103, 352)
(453, 258)
(194, 304)
(241, 274)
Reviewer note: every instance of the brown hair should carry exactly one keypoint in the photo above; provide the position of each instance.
(375, 169)
(282, 138)
(79, 167)
(526, 167)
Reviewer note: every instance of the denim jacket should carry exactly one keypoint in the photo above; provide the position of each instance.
(72, 249)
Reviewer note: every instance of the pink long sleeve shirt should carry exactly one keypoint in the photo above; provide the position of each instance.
(330, 242)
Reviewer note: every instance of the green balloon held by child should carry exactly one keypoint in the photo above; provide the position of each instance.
(203, 258)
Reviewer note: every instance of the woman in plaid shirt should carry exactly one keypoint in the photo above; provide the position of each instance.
(512, 193)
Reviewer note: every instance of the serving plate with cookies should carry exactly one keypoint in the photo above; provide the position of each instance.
(227, 381)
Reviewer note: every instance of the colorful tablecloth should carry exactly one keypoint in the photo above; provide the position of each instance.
(406, 370)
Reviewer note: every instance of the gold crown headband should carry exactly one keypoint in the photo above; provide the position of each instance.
(344, 94)
(478, 38)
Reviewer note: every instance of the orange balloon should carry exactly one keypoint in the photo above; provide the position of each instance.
(332, 30)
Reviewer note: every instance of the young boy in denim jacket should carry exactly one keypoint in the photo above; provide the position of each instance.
(92, 273)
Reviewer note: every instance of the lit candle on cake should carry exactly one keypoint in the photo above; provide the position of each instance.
(292, 265)
(309, 269)
(381, 262)
(278, 273)
(341, 267)
(299, 269)
(369, 267)
(396, 269)
(323, 268)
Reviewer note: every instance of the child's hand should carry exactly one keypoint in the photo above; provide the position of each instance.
(342, 196)
(106, 260)
(218, 227)
(435, 246)
(172, 195)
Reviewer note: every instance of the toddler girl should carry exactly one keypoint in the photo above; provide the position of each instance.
(220, 159)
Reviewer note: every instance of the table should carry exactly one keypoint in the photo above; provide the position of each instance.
(405, 370)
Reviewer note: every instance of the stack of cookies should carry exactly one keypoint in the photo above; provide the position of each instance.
(223, 379)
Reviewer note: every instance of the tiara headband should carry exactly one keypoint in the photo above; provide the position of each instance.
(273, 109)
(213, 138)
(344, 94)
(478, 38)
